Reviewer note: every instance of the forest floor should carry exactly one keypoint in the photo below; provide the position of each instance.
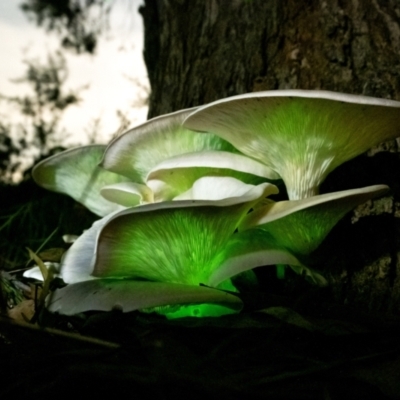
(298, 345)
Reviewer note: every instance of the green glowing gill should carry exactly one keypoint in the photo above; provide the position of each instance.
(139, 150)
(303, 231)
(180, 245)
(76, 173)
(192, 310)
(302, 139)
(180, 180)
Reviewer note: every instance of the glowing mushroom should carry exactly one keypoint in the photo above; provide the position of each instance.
(179, 244)
(136, 152)
(302, 135)
(176, 175)
(169, 158)
(153, 162)
(75, 172)
(299, 226)
(130, 295)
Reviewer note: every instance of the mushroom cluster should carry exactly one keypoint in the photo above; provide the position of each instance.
(183, 199)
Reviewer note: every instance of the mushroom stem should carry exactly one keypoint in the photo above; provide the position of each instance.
(302, 135)
(302, 179)
(296, 193)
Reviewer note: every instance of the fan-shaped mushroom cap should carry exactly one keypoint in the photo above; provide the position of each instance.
(128, 194)
(177, 245)
(180, 241)
(299, 226)
(302, 135)
(137, 230)
(176, 175)
(130, 295)
(135, 153)
(75, 172)
(220, 188)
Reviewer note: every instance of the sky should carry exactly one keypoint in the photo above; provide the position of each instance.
(110, 73)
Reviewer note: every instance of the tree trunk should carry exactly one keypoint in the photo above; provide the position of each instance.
(199, 51)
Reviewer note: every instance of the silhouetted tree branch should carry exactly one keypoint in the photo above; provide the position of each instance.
(78, 22)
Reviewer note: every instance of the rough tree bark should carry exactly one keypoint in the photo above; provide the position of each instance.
(198, 51)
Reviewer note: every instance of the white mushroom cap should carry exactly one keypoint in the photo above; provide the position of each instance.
(176, 245)
(123, 243)
(299, 226)
(177, 174)
(128, 194)
(130, 295)
(135, 153)
(75, 172)
(302, 135)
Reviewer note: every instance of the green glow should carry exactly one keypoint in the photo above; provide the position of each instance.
(178, 174)
(180, 245)
(196, 310)
(301, 138)
(179, 180)
(280, 271)
(303, 231)
(161, 254)
(76, 173)
(163, 145)
(130, 295)
(135, 153)
(300, 226)
(200, 310)
(128, 194)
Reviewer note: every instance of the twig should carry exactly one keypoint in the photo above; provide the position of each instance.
(59, 333)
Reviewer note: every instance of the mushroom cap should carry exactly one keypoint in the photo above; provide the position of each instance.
(130, 295)
(180, 241)
(220, 188)
(135, 153)
(299, 226)
(176, 175)
(128, 194)
(173, 245)
(75, 172)
(139, 241)
(302, 135)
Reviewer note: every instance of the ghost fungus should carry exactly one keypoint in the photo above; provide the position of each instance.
(129, 159)
(131, 295)
(136, 152)
(176, 175)
(169, 158)
(75, 172)
(181, 243)
(299, 226)
(302, 135)
(128, 194)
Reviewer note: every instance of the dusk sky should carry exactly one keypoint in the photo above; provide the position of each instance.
(109, 73)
